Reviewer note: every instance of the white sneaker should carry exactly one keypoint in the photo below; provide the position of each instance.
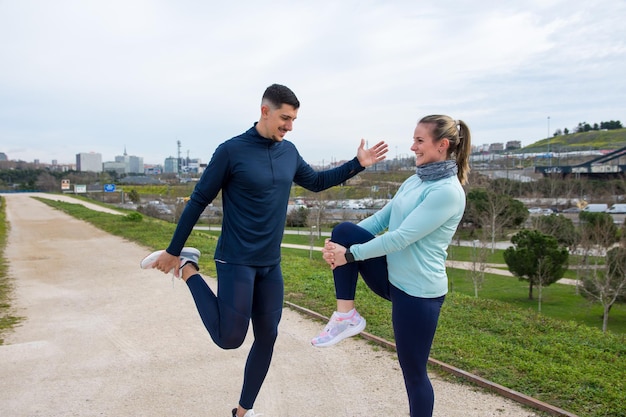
(187, 255)
(249, 413)
(339, 328)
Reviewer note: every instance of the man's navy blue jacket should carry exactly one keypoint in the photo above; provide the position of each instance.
(255, 175)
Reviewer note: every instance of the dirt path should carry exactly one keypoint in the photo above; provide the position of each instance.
(104, 338)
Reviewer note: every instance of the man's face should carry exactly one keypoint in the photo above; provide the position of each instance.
(275, 123)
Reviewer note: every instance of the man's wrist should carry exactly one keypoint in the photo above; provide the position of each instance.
(349, 256)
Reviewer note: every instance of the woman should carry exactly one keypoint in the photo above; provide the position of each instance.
(406, 264)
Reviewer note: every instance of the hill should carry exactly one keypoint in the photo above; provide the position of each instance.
(584, 141)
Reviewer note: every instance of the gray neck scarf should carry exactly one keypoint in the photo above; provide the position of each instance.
(437, 170)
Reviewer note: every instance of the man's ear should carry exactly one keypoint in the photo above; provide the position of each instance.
(265, 110)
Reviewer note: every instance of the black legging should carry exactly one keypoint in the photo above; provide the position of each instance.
(414, 319)
(244, 293)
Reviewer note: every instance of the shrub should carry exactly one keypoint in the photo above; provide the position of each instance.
(133, 217)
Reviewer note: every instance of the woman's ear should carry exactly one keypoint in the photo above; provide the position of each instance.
(444, 144)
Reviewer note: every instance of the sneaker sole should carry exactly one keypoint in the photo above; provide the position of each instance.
(352, 331)
(148, 261)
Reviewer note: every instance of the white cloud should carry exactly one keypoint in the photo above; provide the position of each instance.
(83, 76)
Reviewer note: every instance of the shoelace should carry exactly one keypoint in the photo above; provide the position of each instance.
(332, 324)
(336, 320)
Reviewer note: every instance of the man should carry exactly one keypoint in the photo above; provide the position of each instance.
(254, 171)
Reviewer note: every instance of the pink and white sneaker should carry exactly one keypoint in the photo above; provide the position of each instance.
(338, 328)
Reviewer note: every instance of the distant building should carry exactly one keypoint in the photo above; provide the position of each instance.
(117, 167)
(496, 147)
(153, 169)
(89, 162)
(3, 157)
(62, 168)
(135, 165)
(126, 164)
(192, 165)
(513, 145)
(170, 165)
(484, 148)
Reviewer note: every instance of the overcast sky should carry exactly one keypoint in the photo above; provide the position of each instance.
(81, 76)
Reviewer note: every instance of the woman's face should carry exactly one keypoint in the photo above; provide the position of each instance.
(424, 146)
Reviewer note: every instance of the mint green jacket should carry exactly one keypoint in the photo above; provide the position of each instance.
(420, 222)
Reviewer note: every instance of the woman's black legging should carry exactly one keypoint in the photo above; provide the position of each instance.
(414, 318)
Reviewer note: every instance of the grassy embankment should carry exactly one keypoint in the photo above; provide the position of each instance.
(564, 363)
(583, 141)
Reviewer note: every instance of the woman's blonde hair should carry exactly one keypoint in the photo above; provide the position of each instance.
(458, 134)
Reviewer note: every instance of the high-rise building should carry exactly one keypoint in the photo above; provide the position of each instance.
(171, 165)
(89, 162)
(135, 165)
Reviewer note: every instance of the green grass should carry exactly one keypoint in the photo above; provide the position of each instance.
(563, 362)
(7, 319)
(595, 139)
(558, 301)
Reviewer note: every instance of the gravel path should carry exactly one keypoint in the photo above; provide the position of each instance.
(101, 337)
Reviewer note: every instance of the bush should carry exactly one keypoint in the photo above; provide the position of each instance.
(133, 217)
(297, 217)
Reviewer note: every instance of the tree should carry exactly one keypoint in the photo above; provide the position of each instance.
(317, 213)
(46, 182)
(603, 282)
(537, 258)
(583, 127)
(613, 124)
(479, 264)
(494, 212)
(133, 195)
(297, 217)
(607, 285)
(597, 229)
(560, 227)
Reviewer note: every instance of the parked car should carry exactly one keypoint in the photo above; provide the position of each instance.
(571, 210)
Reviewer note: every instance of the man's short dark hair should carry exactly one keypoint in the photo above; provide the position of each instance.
(278, 95)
